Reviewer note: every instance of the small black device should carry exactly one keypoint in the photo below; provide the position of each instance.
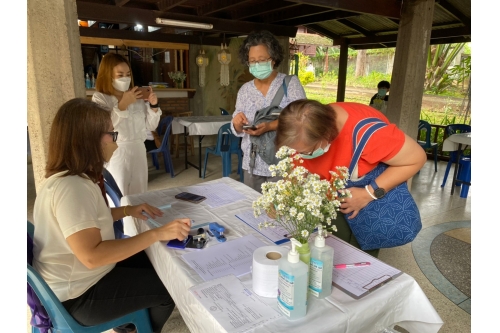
(377, 191)
(252, 127)
(191, 197)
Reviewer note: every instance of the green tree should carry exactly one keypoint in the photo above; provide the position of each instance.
(439, 57)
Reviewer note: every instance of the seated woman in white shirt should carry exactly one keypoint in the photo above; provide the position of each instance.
(132, 117)
(96, 277)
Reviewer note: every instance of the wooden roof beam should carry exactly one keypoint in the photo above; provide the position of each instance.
(387, 8)
(293, 13)
(113, 14)
(215, 6)
(164, 5)
(117, 35)
(356, 27)
(455, 12)
(121, 3)
(266, 7)
(327, 16)
(322, 31)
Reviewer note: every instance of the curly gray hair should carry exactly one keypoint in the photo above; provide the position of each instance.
(265, 38)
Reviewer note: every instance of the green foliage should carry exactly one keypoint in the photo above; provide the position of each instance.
(439, 57)
(304, 77)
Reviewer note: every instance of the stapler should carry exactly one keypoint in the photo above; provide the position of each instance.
(217, 231)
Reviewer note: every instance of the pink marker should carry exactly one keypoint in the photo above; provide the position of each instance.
(358, 264)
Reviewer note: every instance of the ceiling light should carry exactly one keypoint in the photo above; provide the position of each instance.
(184, 23)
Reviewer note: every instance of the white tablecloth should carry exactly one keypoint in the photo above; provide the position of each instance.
(400, 301)
(451, 143)
(199, 125)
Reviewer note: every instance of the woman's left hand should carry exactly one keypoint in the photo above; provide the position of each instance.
(358, 200)
(137, 211)
(152, 99)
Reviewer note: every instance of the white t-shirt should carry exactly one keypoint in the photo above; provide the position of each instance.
(132, 123)
(64, 206)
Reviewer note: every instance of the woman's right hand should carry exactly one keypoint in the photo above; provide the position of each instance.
(178, 228)
(129, 97)
(238, 121)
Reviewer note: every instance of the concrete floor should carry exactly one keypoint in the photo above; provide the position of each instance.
(436, 206)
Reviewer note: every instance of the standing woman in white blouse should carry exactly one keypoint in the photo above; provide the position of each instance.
(131, 117)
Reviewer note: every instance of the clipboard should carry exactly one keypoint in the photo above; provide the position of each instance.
(359, 281)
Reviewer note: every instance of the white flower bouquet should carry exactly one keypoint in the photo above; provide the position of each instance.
(178, 76)
(301, 200)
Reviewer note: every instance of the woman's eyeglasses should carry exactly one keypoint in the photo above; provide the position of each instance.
(113, 134)
(260, 62)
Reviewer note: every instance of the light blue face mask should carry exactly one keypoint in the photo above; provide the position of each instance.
(261, 71)
(382, 92)
(317, 153)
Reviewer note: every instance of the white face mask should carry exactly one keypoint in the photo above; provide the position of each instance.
(122, 83)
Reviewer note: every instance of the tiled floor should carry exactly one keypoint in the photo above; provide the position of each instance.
(437, 208)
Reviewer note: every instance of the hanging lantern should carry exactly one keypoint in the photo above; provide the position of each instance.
(224, 58)
(202, 62)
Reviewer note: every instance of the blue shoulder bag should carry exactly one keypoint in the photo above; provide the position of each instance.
(390, 221)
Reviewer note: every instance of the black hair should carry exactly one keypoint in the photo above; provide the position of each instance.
(262, 37)
(384, 84)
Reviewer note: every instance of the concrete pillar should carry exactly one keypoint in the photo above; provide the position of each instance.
(55, 70)
(407, 84)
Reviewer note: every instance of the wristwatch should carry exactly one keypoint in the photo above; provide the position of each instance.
(377, 191)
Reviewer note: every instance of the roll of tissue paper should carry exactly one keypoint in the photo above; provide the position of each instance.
(265, 269)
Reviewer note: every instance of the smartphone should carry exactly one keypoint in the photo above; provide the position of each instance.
(146, 90)
(191, 197)
(252, 127)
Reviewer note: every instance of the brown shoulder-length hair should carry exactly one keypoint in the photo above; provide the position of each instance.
(104, 81)
(307, 121)
(75, 139)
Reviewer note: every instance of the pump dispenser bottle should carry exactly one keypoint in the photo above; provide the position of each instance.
(292, 284)
(321, 266)
(87, 81)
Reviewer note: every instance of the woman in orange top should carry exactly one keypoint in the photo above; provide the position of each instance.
(322, 134)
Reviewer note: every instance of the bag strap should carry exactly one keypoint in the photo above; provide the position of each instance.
(358, 145)
(282, 91)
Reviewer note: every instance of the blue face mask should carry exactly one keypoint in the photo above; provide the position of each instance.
(382, 92)
(261, 71)
(317, 153)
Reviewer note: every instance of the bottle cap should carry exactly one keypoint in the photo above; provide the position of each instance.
(293, 255)
(319, 241)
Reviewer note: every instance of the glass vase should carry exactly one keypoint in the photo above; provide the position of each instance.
(178, 84)
(304, 253)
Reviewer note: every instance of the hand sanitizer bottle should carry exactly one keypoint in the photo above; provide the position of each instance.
(93, 81)
(292, 284)
(87, 81)
(321, 266)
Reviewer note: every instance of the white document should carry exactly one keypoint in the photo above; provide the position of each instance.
(231, 257)
(276, 234)
(236, 308)
(217, 194)
(358, 281)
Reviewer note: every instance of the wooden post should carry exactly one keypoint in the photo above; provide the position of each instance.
(342, 71)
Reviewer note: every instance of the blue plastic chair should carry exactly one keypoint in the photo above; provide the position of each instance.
(427, 144)
(115, 194)
(450, 130)
(465, 176)
(227, 144)
(224, 112)
(164, 128)
(59, 320)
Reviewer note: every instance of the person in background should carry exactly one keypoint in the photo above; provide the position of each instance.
(380, 99)
(262, 53)
(132, 117)
(322, 135)
(96, 278)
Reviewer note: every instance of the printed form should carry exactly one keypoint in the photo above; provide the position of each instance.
(276, 234)
(236, 308)
(232, 257)
(217, 194)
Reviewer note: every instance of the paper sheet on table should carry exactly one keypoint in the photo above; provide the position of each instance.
(217, 194)
(276, 234)
(232, 257)
(358, 281)
(236, 308)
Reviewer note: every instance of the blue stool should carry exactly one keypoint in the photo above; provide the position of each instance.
(465, 176)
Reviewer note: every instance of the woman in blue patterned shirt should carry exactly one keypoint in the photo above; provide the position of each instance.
(262, 53)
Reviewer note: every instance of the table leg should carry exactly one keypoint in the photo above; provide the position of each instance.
(199, 154)
(455, 171)
(185, 147)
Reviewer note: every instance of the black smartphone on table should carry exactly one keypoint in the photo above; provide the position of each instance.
(191, 197)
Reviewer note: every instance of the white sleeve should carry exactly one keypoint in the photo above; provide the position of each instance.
(152, 118)
(112, 105)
